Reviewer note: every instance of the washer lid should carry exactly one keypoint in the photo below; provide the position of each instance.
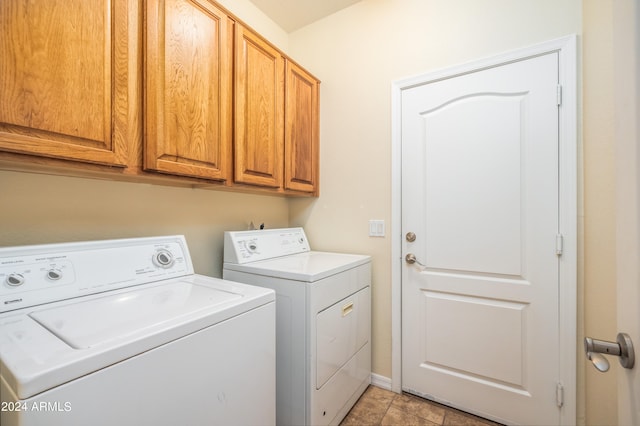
(93, 322)
(45, 346)
(307, 267)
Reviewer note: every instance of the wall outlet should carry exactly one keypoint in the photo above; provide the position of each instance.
(376, 228)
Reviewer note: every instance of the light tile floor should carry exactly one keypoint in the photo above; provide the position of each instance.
(378, 406)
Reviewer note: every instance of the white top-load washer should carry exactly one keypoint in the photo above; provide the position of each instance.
(124, 332)
(323, 320)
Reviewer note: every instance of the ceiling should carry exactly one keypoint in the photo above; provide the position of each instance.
(294, 14)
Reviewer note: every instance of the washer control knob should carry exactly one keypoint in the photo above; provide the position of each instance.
(251, 246)
(15, 280)
(54, 274)
(163, 259)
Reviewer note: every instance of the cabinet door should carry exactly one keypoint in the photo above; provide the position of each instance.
(188, 90)
(301, 130)
(259, 111)
(66, 79)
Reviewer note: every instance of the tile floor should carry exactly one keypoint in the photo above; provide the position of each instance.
(378, 406)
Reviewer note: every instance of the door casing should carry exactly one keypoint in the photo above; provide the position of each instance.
(568, 204)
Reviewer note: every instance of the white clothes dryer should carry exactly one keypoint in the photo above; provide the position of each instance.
(323, 320)
(124, 332)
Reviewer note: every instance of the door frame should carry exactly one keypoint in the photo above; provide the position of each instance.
(568, 204)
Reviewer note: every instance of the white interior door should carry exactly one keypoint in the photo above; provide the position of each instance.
(626, 39)
(480, 191)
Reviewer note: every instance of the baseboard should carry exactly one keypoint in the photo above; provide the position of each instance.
(381, 381)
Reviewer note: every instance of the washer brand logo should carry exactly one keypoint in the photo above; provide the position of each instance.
(8, 302)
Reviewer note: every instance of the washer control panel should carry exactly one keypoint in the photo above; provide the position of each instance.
(18, 274)
(250, 246)
(32, 275)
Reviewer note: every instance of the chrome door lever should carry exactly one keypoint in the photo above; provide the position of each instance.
(598, 361)
(622, 347)
(411, 259)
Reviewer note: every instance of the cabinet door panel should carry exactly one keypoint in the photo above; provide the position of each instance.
(188, 89)
(65, 79)
(259, 111)
(302, 130)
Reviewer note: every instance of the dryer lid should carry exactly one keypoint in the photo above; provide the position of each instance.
(307, 267)
(93, 322)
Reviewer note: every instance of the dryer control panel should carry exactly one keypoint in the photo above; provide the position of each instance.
(250, 246)
(32, 275)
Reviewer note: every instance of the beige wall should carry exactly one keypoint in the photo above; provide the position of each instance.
(252, 16)
(599, 204)
(357, 53)
(43, 209)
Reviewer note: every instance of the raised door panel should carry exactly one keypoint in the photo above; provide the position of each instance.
(301, 131)
(259, 111)
(188, 90)
(65, 79)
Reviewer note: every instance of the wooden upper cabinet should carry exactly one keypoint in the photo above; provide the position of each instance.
(301, 130)
(179, 87)
(188, 89)
(65, 79)
(259, 111)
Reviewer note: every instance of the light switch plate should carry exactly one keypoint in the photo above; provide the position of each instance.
(376, 228)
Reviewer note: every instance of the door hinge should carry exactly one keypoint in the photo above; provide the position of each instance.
(559, 244)
(559, 395)
(559, 94)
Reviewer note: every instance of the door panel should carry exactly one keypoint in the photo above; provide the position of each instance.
(505, 319)
(473, 195)
(480, 191)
